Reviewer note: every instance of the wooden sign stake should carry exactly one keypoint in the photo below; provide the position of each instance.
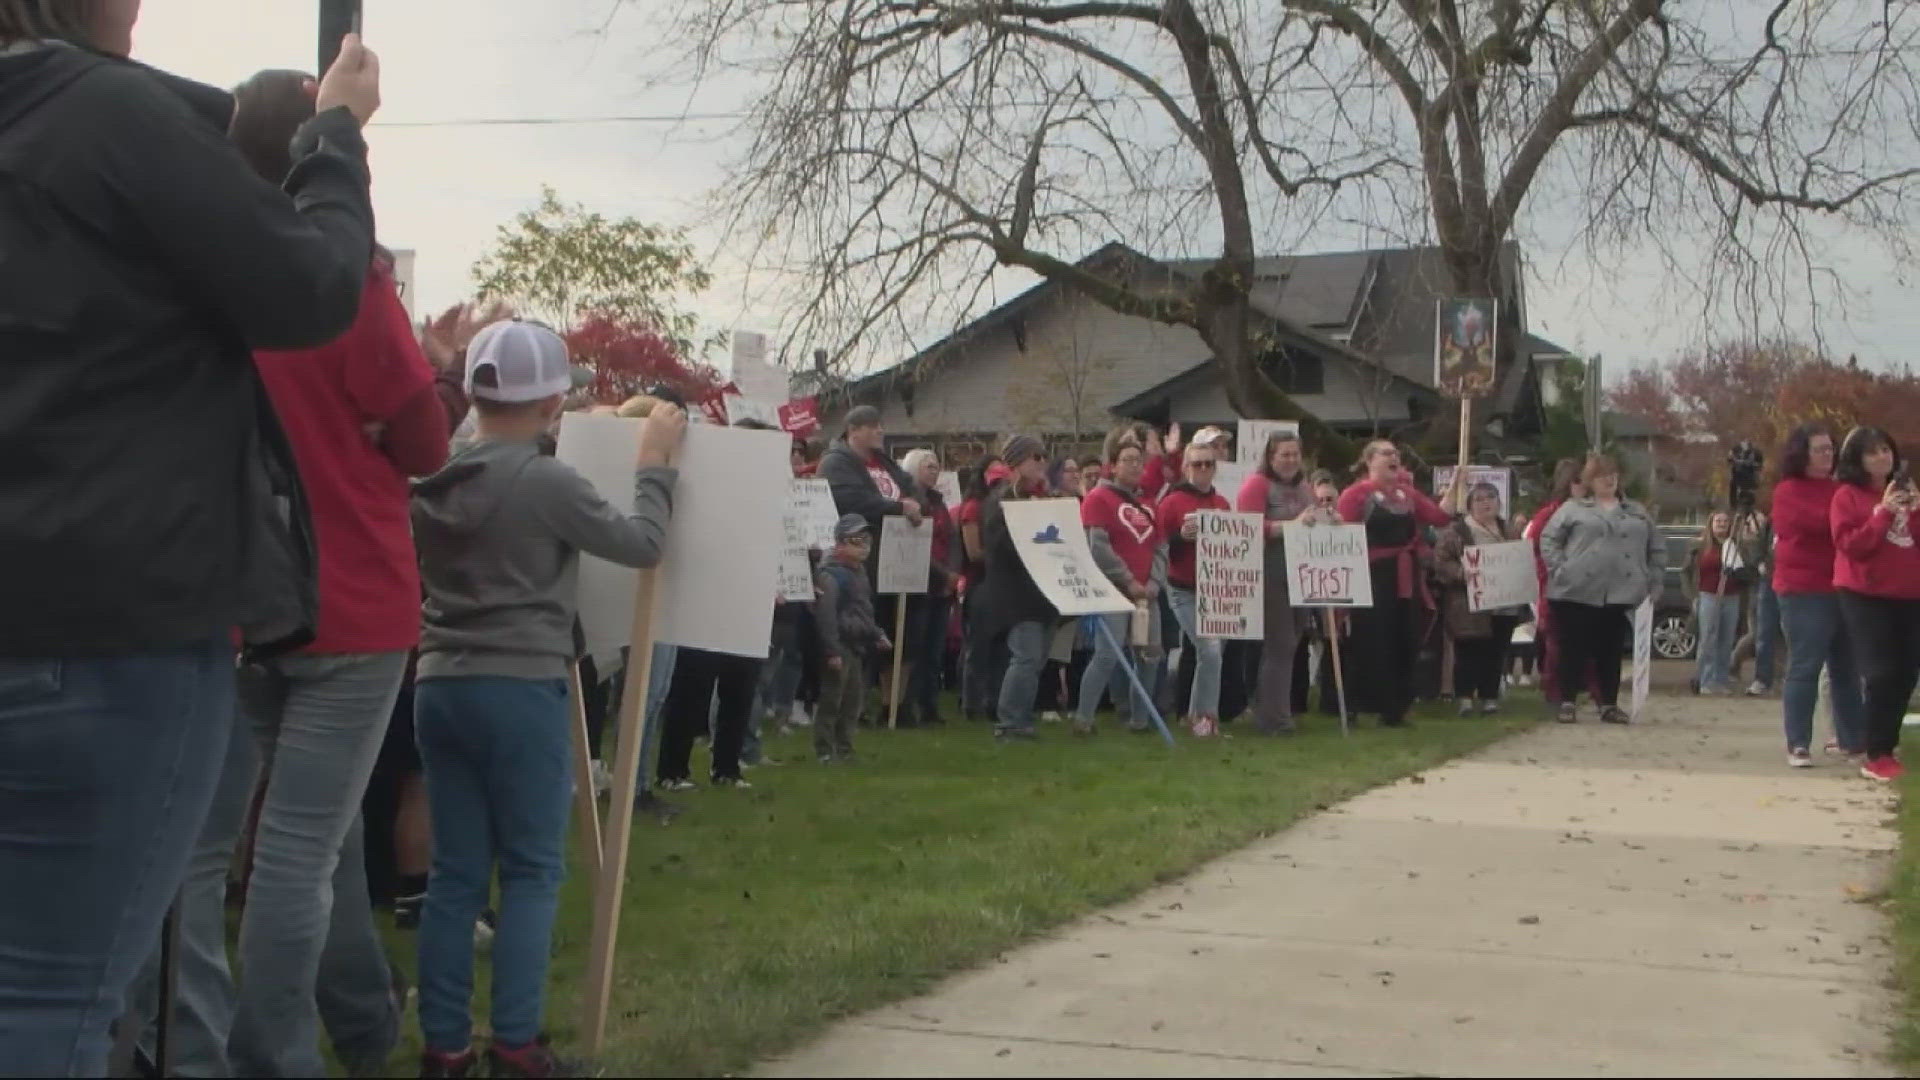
(1339, 678)
(619, 830)
(586, 802)
(899, 653)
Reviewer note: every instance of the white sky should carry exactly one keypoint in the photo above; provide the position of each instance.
(443, 189)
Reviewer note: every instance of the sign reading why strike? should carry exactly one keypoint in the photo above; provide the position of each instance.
(1230, 576)
(1327, 566)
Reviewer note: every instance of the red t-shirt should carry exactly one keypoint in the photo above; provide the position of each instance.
(1876, 552)
(1129, 525)
(1708, 573)
(883, 477)
(1179, 503)
(325, 397)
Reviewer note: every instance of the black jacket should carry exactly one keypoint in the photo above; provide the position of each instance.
(1008, 595)
(854, 492)
(147, 495)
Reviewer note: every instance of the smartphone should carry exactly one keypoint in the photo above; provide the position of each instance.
(1903, 476)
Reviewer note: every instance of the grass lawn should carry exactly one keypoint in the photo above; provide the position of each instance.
(1903, 902)
(759, 916)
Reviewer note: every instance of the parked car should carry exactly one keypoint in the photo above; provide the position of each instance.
(1675, 637)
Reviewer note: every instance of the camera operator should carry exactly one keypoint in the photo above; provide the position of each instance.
(1753, 532)
(151, 501)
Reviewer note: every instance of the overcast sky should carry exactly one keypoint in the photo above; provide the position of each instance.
(442, 183)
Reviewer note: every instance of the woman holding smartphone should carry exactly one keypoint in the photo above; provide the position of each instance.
(1877, 573)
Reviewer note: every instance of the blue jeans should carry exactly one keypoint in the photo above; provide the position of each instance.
(659, 681)
(1205, 697)
(204, 999)
(1104, 675)
(1766, 632)
(1027, 658)
(1816, 639)
(107, 766)
(318, 722)
(497, 756)
(1719, 618)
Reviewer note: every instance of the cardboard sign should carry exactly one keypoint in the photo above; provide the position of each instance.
(724, 545)
(800, 417)
(1500, 575)
(740, 407)
(906, 555)
(807, 525)
(1327, 566)
(1230, 575)
(1499, 476)
(1465, 333)
(1254, 435)
(1642, 658)
(949, 486)
(1053, 547)
(1229, 476)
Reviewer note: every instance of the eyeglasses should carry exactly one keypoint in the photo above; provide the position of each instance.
(1202, 464)
(862, 540)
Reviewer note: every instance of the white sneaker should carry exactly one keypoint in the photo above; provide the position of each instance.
(602, 777)
(1051, 718)
(1758, 689)
(1799, 759)
(799, 717)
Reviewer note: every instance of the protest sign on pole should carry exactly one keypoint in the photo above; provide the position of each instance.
(1642, 658)
(1327, 565)
(1230, 575)
(1053, 547)
(801, 416)
(1229, 476)
(1254, 434)
(1500, 575)
(949, 487)
(1499, 476)
(724, 544)
(905, 563)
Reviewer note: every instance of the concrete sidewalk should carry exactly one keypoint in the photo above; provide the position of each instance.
(1661, 900)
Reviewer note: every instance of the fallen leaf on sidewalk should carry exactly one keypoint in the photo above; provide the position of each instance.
(1002, 1053)
(1529, 920)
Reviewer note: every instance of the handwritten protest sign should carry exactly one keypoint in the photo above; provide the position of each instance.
(732, 487)
(807, 525)
(1229, 576)
(1500, 575)
(1254, 435)
(1499, 476)
(1327, 565)
(949, 487)
(1054, 549)
(906, 555)
(812, 504)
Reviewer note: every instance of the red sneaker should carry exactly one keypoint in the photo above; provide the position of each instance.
(438, 1066)
(1882, 768)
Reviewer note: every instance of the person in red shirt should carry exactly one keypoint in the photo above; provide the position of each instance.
(979, 669)
(1803, 562)
(1715, 587)
(1127, 547)
(362, 415)
(1193, 494)
(1393, 509)
(1877, 573)
(926, 638)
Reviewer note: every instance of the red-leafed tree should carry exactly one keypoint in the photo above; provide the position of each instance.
(630, 356)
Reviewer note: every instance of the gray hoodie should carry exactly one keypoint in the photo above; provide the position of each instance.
(500, 531)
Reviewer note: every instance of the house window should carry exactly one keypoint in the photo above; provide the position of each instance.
(1297, 371)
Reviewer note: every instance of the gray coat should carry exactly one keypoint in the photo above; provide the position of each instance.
(1598, 556)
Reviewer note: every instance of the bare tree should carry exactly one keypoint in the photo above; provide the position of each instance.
(904, 148)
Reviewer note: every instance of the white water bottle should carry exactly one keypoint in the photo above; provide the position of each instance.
(1142, 629)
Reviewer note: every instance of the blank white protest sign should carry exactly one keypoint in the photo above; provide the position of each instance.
(722, 564)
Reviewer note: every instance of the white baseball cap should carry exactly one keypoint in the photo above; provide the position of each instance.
(528, 359)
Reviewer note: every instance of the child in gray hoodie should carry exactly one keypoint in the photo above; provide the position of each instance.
(500, 530)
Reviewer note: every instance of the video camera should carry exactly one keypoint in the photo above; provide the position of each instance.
(1744, 463)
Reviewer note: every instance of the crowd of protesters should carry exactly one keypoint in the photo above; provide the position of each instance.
(228, 441)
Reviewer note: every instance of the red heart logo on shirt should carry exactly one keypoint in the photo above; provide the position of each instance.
(1137, 523)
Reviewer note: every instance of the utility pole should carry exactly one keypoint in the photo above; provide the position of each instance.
(338, 18)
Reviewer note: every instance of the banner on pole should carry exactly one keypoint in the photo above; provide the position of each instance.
(906, 555)
(1230, 575)
(1500, 575)
(800, 416)
(1053, 547)
(1466, 331)
(1327, 565)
